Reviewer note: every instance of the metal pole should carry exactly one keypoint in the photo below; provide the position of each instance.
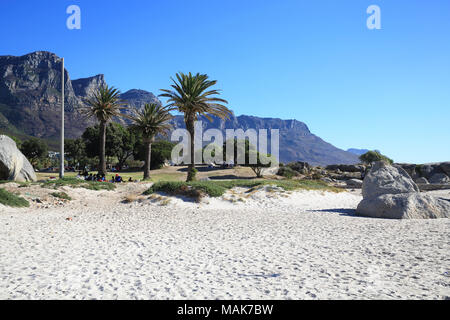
(61, 152)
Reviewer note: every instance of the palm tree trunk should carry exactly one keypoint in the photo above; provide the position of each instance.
(102, 166)
(148, 155)
(191, 166)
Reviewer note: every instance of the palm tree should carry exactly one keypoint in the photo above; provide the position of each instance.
(104, 105)
(192, 96)
(153, 119)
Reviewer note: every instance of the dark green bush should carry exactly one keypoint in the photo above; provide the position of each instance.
(287, 172)
(373, 156)
(192, 174)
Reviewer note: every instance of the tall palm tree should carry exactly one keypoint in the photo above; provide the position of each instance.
(104, 104)
(153, 119)
(191, 95)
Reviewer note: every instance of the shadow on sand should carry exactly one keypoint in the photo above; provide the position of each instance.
(342, 211)
(202, 169)
(229, 177)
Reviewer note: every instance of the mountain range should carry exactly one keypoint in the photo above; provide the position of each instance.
(30, 102)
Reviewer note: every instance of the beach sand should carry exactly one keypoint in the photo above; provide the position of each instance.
(298, 245)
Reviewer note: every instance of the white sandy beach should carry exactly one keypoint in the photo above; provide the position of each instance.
(308, 245)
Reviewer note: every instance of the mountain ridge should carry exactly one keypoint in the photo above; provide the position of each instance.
(30, 102)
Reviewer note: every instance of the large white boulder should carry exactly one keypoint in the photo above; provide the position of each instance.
(13, 164)
(386, 179)
(405, 206)
(389, 192)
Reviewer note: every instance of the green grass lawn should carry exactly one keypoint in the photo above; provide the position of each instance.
(9, 199)
(77, 183)
(155, 176)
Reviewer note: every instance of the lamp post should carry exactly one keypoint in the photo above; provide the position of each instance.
(61, 150)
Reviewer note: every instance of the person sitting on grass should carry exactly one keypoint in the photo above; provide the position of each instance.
(118, 178)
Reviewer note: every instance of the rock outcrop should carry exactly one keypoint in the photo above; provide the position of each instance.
(445, 166)
(347, 167)
(434, 173)
(85, 87)
(389, 192)
(439, 178)
(354, 183)
(30, 95)
(421, 180)
(14, 165)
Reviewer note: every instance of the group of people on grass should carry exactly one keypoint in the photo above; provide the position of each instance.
(101, 177)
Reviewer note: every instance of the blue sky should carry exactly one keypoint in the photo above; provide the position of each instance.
(315, 61)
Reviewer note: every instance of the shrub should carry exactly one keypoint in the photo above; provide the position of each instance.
(192, 174)
(372, 156)
(9, 199)
(287, 172)
(35, 150)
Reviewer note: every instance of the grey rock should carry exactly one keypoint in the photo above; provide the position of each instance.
(327, 180)
(409, 168)
(346, 175)
(86, 87)
(421, 180)
(346, 167)
(386, 179)
(300, 166)
(271, 171)
(428, 170)
(439, 178)
(14, 165)
(355, 183)
(405, 206)
(445, 167)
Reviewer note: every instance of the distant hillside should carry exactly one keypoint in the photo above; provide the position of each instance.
(297, 143)
(30, 99)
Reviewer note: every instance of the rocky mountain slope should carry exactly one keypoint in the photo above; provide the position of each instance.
(30, 91)
(30, 95)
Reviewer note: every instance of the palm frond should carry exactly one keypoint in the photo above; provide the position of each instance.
(104, 104)
(191, 95)
(151, 120)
